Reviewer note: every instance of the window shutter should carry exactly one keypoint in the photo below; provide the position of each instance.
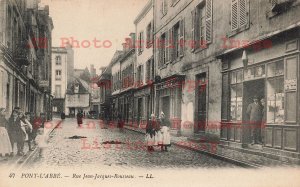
(181, 37)
(171, 44)
(167, 47)
(142, 42)
(234, 14)
(165, 6)
(225, 97)
(192, 43)
(160, 51)
(151, 32)
(142, 76)
(209, 15)
(243, 18)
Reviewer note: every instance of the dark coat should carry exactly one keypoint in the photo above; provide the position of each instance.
(151, 127)
(15, 132)
(3, 121)
(254, 112)
(79, 118)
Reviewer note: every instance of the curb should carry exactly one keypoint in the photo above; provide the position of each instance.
(217, 156)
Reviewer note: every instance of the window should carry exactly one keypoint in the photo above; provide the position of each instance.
(141, 42)
(162, 50)
(275, 92)
(202, 25)
(236, 92)
(164, 7)
(149, 35)
(58, 75)
(58, 91)
(140, 75)
(58, 60)
(239, 14)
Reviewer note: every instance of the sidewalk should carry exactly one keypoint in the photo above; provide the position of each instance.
(18, 161)
(217, 150)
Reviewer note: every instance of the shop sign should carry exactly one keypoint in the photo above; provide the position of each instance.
(290, 84)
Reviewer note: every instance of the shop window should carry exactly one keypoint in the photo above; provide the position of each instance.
(275, 92)
(236, 92)
(254, 73)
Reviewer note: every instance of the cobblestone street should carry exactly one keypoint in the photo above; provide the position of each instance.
(112, 148)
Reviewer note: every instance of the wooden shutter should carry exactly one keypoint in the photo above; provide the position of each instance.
(171, 44)
(142, 41)
(165, 6)
(167, 47)
(234, 14)
(208, 21)
(181, 37)
(151, 32)
(142, 76)
(193, 38)
(225, 97)
(243, 18)
(160, 51)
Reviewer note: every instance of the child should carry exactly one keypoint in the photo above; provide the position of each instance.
(42, 140)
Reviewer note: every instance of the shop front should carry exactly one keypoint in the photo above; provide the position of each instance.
(268, 80)
(168, 100)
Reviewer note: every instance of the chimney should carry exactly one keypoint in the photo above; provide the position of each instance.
(132, 37)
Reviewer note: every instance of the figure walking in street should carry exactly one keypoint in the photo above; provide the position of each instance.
(120, 123)
(63, 116)
(254, 112)
(5, 145)
(150, 133)
(165, 131)
(79, 118)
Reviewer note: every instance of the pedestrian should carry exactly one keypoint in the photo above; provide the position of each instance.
(158, 135)
(63, 116)
(79, 118)
(120, 123)
(165, 131)
(150, 133)
(254, 112)
(37, 123)
(5, 144)
(42, 140)
(263, 119)
(14, 131)
(29, 128)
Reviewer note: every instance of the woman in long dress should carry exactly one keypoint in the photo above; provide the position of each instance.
(5, 144)
(165, 131)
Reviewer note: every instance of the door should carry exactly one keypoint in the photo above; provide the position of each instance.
(251, 89)
(201, 92)
(166, 106)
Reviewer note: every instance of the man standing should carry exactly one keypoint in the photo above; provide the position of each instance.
(254, 111)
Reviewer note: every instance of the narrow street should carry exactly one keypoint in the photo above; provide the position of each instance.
(108, 147)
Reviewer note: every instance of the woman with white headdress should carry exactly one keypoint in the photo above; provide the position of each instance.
(165, 131)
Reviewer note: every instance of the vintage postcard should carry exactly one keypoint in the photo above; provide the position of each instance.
(150, 93)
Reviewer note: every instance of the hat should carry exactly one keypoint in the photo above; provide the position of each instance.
(152, 115)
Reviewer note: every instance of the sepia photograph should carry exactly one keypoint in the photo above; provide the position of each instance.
(150, 93)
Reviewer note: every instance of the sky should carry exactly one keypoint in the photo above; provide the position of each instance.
(109, 21)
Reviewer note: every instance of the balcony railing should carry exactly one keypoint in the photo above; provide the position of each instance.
(20, 54)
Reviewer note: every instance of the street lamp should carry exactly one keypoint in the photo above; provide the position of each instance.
(245, 59)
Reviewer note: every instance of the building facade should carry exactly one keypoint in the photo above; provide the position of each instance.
(61, 76)
(144, 67)
(25, 35)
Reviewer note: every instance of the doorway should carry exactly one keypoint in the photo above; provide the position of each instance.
(166, 106)
(251, 89)
(201, 93)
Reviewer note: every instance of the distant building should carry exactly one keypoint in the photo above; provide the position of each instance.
(77, 97)
(61, 57)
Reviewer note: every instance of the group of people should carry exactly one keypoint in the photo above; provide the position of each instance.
(19, 128)
(158, 133)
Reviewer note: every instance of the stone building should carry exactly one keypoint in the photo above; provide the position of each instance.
(61, 76)
(25, 35)
(144, 67)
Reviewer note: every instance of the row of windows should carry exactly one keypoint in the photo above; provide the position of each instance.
(149, 38)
